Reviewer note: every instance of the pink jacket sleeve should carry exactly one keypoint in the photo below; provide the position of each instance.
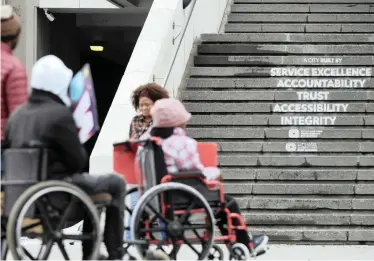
(16, 88)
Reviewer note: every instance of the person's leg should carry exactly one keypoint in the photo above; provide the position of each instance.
(114, 218)
(241, 235)
(87, 245)
(256, 243)
(114, 221)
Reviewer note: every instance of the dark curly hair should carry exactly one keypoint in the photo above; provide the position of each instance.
(153, 90)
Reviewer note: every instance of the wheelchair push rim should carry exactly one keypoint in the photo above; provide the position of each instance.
(50, 234)
(174, 221)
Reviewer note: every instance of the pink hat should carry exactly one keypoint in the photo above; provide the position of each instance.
(169, 112)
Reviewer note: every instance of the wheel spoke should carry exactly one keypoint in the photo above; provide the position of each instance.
(157, 213)
(193, 227)
(196, 233)
(47, 251)
(25, 228)
(89, 236)
(44, 216)
(28, 254)
(156, 229)
(128, 210)
(187, 213)
(66, 214)
(63, 250)
(175, 249)
(191, 246)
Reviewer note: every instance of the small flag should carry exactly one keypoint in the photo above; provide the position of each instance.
(82, 95)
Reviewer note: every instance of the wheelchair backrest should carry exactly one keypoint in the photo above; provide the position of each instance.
(23, 167)
(124, 154)
(153, 168)
(152, 161)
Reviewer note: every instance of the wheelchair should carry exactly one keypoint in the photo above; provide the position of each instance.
(162, 214)
(37, 210)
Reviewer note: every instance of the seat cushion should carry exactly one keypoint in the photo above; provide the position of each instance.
(101, 197)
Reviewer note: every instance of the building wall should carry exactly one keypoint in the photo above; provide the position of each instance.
(27, 12)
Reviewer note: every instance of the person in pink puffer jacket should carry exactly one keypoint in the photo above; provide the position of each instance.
(181, 154)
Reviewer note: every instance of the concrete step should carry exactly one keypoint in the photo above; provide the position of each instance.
(292, 146)
(271, 160)
(232, 60)
(301, 8)
(302, 1)
(337, 218)
(297, 188)
(300, 18)
(344, 84)
(287, 38)
(273, 18)
(284, 120)
(306, 203)
(323, 133)
(298, 233)
(336, 71)
(313, 107)
(285, 49)
(299, 28)
(274, 95)
(251, 174)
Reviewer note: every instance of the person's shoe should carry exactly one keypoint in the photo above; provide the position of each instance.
(102, 257)
(156, 255)
(258, 245)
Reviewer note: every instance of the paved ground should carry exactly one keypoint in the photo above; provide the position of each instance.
(277, 252)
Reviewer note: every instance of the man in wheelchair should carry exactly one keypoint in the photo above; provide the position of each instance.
(180, 152)
(46, 117)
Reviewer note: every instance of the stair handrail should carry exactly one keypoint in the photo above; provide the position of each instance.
(179, 44)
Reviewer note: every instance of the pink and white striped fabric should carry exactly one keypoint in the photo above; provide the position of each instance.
(180, 152)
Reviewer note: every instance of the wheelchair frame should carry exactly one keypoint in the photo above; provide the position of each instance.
(168, 183)
(159, 174)
(25, 183)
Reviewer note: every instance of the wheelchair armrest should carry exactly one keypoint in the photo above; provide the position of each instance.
(127, 145)
(187, 173)
(36, 144)
(120, 143)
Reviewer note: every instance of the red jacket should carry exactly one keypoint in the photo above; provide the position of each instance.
(14, 90)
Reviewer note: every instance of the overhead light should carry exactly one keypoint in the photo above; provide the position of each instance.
(97, 48)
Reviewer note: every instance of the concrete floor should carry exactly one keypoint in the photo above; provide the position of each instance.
(277, 252)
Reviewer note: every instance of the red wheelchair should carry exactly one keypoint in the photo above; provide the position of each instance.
(176, 211)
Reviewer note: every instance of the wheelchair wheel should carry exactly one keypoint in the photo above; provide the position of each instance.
(35, 218)
(239, 252)
(215, 253)
(168, 226)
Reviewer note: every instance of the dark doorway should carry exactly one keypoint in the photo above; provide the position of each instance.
(106, 75)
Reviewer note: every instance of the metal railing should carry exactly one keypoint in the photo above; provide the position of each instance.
(181, 35)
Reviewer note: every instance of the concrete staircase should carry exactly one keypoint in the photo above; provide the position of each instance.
(288, 94)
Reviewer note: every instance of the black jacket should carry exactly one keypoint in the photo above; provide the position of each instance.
(45, 118)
